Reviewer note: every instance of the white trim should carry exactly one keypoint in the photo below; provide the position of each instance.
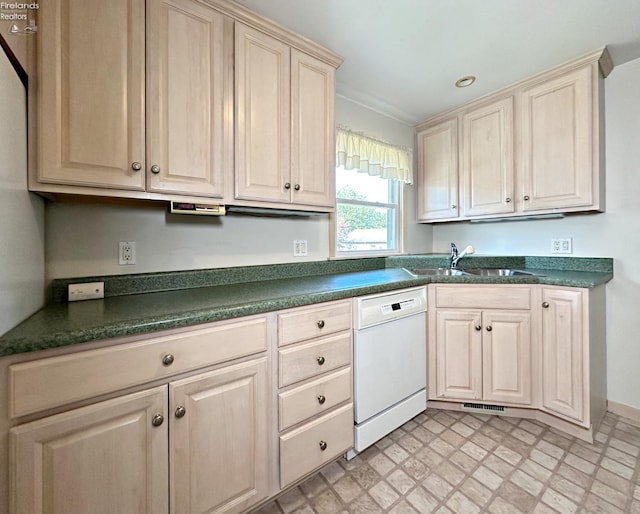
(626, 411)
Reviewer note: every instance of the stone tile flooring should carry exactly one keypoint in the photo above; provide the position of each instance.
(455, 462)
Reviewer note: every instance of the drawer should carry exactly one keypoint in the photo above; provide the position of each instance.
(314, 398)
(55, 381)
(308, 360)
(483, 297)
(302, 450)
(297, 325)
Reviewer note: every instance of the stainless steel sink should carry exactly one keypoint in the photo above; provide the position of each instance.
(439, 271)
(500, 272)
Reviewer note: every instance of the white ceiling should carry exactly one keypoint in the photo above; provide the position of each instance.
(402, 57)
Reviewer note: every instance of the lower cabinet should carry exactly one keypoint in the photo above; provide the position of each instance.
(532, 351)
(206, 437)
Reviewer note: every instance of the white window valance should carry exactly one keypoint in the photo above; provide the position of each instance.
(356, 151)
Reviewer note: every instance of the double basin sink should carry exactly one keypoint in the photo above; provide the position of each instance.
(478, 272)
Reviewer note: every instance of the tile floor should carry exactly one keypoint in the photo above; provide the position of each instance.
(454, 462)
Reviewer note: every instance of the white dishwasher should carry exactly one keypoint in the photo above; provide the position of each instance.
(389, 362)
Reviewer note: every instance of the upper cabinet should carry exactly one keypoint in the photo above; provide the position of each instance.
(285, 142)
(531, 148)
(91, 85)
(137, 105)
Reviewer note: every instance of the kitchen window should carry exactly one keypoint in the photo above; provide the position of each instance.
(369, 179)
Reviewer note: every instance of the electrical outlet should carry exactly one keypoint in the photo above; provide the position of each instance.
(127, 253)
(300, 248)
(86, 291)
(561, 245)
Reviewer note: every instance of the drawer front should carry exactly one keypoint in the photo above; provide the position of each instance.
(483, 297)
(311, 359)
(301, 450)
(54, 381)
(314, 398)
(308, 322)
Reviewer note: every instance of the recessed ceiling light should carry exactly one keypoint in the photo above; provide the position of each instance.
(465, 81)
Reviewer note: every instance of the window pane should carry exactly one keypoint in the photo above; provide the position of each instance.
(355, 185)
(363, 228)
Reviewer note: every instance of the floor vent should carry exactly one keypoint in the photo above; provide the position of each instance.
(481, 407)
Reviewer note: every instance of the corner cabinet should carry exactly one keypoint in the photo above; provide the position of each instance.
(530, 351)
(136, 99)
(285, 141)
(531, 148)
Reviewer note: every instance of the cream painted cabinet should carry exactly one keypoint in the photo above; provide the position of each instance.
(91, 91)
(284, 123)
(483, 355)
(219, 439)
(487, 167)
(104, 458)
(560, 142)
(92, 130)
(189, 122)
(530, 148)
(438, 171)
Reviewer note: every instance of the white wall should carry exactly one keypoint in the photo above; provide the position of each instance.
(615, 233)
(82, 238)
(21, 213)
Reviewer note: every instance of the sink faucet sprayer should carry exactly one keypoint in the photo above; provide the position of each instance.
(455, 256)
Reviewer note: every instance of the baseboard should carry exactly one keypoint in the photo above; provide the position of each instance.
(625, 411)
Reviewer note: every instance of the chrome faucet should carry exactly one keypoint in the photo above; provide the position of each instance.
(455, 256)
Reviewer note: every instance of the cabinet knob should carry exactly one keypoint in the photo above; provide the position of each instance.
(489, 328)
(320, 360)
(155, 169)
(478, 327)
(323, 445)
(297, 187)
(180, 411)
(526, 197)
(168, 359)
(136, 166)
(545, 305)
(320, 323)
(321, 399)
(287, 185)
(454, 206)
(157, 420)
(508, 200)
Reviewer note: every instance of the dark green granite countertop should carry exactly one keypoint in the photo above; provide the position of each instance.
(144, 303)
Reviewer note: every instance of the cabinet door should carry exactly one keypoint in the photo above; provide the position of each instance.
(506, 357)
(101, 459)
(313, 144)
(221, 445)
(563, 356)
(187, 125)
(487, 159)
(438, 171)
(459, 354)
(91, 93)
(263, 126)
(557, 142)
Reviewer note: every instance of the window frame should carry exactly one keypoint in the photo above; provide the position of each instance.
(398, 228)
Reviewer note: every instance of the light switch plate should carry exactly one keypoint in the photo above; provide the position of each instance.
(300, 248)
(86, 291)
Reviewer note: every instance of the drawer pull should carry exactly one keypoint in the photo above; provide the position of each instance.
(321, 399)
(323, 445)
(168, 359)
(320, 323)
(180, 411)
(320, 360)
(157, 420)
